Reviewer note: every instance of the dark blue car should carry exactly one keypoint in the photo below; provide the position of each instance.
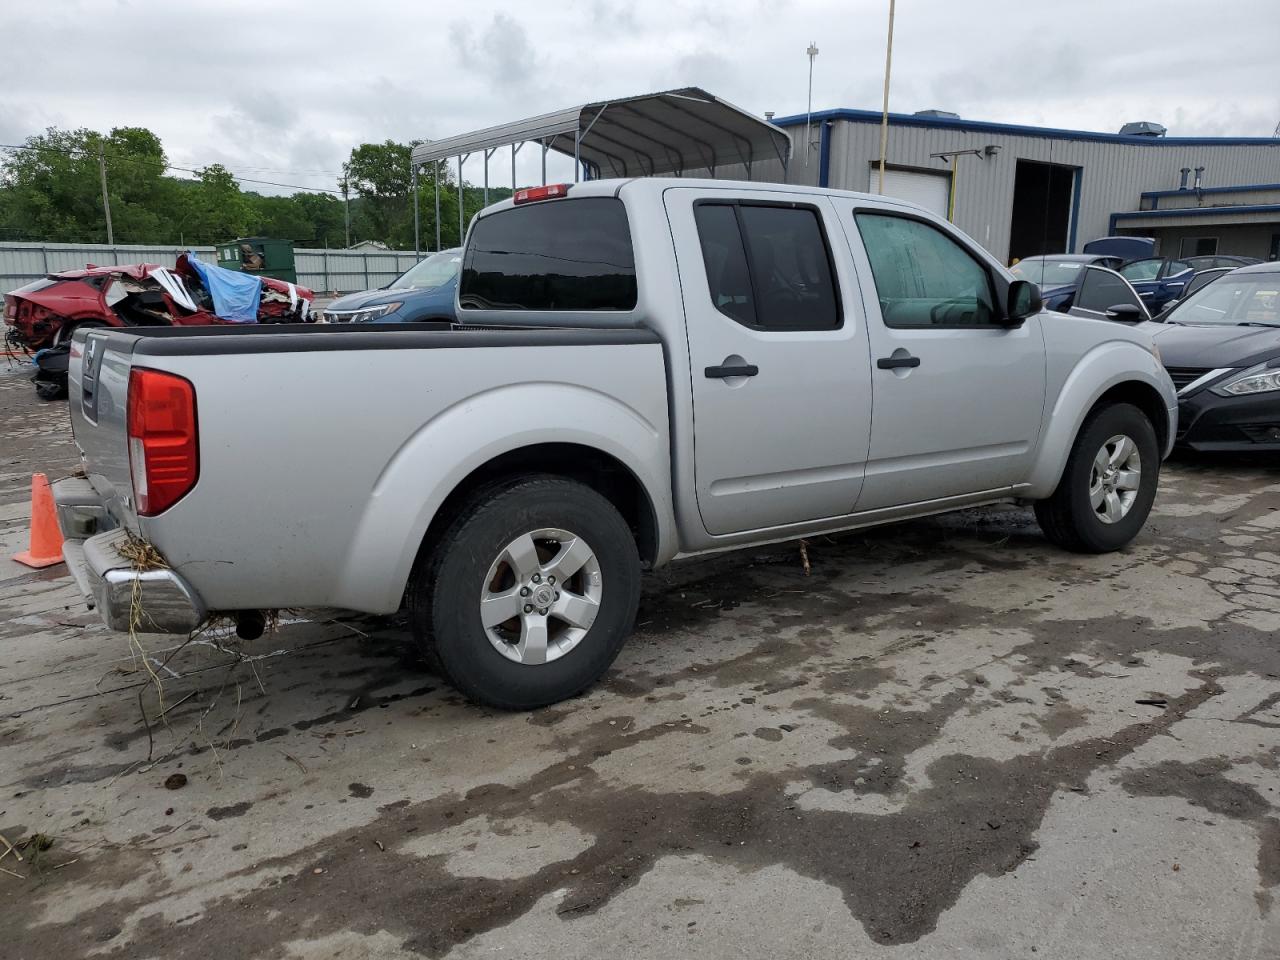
(1158, 280)
(424, 292)
(1058, 274)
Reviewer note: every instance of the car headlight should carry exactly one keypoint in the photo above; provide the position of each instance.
(1263, 378)
(375, 313)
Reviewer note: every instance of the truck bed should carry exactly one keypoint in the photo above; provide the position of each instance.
(324, 451)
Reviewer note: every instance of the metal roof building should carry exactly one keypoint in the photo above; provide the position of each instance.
(1022, 190)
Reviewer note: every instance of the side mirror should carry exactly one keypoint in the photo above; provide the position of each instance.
(1024, 301)
(1126, 313)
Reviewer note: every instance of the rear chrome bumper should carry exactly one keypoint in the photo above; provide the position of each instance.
(127, 597)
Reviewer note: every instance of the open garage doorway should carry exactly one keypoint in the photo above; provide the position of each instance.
(1041, 221)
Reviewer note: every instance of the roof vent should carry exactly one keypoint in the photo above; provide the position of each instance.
(1142, 128)
(940, 114)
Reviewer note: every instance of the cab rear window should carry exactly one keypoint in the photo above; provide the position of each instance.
(551, 255)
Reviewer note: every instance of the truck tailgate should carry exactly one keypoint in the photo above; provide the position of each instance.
(97, 394)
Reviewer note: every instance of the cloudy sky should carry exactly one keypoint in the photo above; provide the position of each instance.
(281, 89)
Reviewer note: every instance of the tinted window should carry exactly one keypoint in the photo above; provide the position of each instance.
(551, 255)
(768, 266)
(1103, 289)
(923, 277)
(725, 261)
(1176, 267)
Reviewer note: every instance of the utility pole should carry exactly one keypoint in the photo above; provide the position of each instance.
(812, 53)
(106, 204)
(884, 117)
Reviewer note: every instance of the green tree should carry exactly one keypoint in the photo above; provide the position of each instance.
(53, 189)
(214, 208)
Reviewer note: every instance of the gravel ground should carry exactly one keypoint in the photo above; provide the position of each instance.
(948, 740)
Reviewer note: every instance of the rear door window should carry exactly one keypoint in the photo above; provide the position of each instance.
(768, 265)
(551, 255)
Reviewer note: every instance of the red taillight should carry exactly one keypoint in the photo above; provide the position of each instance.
(549, 192)
(164, 455)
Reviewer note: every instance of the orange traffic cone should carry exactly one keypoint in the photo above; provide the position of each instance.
(46, 538)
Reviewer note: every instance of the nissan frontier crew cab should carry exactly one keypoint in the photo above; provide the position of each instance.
(642, 370)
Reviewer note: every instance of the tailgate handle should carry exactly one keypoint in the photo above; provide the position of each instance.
(723, 372)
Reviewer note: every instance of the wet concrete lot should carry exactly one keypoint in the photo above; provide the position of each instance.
(949, 739)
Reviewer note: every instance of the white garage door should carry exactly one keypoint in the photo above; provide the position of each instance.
(930, 190)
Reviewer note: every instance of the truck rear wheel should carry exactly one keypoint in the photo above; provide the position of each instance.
(529, 594)
(1109, 483)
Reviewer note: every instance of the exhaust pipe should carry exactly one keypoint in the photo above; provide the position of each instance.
(250, 624)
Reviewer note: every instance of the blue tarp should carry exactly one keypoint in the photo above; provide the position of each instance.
(235, 295)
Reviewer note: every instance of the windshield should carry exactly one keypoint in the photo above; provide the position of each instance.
(1232, 301)
(436, 270)
(1048, 272)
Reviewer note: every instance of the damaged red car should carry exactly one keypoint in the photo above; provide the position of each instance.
(45, 312)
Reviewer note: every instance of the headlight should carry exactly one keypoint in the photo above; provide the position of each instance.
(375, 313)
(1260, 379)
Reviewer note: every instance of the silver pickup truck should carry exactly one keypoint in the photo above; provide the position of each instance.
(644, 370)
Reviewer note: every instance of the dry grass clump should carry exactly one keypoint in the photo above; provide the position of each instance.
(142, 555)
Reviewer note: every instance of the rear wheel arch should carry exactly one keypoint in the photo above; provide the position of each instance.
(573, 461)
(71, 324)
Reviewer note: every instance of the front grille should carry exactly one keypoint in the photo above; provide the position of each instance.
(1182, 376)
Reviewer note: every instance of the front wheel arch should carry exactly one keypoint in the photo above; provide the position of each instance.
(1146, 399)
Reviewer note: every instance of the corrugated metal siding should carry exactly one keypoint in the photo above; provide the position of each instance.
(324, 271)
(1113, 175)
(23, 262)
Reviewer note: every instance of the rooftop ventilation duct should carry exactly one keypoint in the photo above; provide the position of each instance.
(1142, 128)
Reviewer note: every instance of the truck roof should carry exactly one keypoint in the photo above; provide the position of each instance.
(655, 186)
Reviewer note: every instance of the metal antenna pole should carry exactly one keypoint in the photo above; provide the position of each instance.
(884, 117)
(812, 53)
(413, 180)
(346, 209)
(106, 204)
(461, 213)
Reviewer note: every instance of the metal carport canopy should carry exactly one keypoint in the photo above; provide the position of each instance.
(657, 133)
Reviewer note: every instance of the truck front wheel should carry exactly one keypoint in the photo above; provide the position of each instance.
(1109, 483)
(529, 594)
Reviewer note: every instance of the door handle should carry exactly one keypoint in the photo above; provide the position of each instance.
(723, 372)
(893, 363)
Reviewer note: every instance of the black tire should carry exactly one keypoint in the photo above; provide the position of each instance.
(1068, 517)
(446, 588)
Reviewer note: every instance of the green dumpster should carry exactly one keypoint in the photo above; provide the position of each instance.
(261, 255)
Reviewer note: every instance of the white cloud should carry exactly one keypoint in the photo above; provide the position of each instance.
(285, 89)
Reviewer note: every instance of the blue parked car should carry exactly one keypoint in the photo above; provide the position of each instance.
(1057, 275)
(1158, 280)
(424, 292)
